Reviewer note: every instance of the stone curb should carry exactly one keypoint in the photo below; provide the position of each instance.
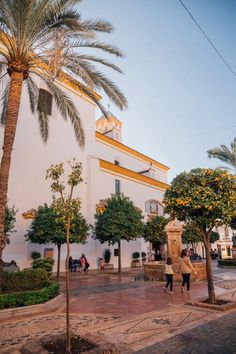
(32, 310)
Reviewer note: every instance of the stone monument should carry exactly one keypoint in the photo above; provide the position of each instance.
(155, 270)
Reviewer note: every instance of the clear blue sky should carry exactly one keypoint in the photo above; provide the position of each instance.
(182, 98)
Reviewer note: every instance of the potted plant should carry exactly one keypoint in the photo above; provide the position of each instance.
(144, 257)
(136, 260)
(107, 258)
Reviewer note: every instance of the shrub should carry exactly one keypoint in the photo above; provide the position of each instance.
(136, 255)
(46, 264)
(30, 279)
(143, 254)
(227, 262)
(107, 255)
(29, 297)
(35, 255)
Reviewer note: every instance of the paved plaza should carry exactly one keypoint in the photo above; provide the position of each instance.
(135, 315)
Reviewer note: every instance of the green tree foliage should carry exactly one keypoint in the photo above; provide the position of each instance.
(120, 220)
(49, 228)
(154, 230)
(191, 235)
(10, 219)
(205, 198)
(214, 236)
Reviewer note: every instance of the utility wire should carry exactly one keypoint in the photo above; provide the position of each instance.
(208, 39)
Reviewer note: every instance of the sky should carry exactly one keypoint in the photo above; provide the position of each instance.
(181, 96)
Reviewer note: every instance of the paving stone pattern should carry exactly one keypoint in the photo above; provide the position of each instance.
(16, 332)
(214, 337)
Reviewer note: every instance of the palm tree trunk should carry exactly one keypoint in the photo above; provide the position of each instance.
(8, 141)
(119, 257)
(211, 290)
(68, 337)
(58, 260)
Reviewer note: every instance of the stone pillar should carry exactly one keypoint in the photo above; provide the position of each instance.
(174, 231)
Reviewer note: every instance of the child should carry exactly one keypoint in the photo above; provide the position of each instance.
(101, 264)
(169, 271)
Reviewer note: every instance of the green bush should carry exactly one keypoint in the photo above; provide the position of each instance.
(136, 255)
(26, 298)
(46, 264)
(143, 254)
(30, 279)
(227, 262)
(35, 255)
(107, 255)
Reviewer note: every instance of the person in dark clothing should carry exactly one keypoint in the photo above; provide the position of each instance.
(158, 256)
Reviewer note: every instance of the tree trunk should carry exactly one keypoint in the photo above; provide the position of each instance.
(211, 290)
(58, 260)
(119, 257)
(68, 339)
(8, 141)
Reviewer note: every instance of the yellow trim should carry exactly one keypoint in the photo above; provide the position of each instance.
(126, 173)
(81, 95)
(124, 148)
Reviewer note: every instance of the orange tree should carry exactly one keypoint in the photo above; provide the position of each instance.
(205, 198)
(118, 220)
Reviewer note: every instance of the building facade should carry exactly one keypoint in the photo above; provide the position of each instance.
(108, 166)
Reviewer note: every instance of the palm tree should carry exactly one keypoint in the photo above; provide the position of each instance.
(46, 39)
(226, 155)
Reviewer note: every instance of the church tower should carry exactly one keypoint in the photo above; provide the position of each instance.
(111, 127)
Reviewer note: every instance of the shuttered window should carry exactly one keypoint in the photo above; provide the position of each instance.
(45, 102)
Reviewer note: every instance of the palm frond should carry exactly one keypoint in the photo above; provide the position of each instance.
(83, 58)
(4, 100)
(97, 26)
(81, 43)
(43, 120)
(100, 81)
(33, 92)
(67, 109)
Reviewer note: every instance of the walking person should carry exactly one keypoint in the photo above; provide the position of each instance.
(169, 271)
(186, 268)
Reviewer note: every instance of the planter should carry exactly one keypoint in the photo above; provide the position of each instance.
(135, 264)
(108, 266)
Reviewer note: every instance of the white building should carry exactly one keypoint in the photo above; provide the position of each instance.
(109, 166)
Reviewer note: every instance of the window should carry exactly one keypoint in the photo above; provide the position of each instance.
(117, 186)
(45, 102)
(117, 163)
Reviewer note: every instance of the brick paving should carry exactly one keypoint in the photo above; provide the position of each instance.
(217, 336)
(135, 314)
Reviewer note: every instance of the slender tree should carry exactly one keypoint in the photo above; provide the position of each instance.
(66, 208)
(48, 227)
(43, 39)
(226, 155)
(205, 198)
(118, 220)
(10, 219)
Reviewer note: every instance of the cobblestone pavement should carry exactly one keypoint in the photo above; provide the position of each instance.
(19, 332)
(214, 337)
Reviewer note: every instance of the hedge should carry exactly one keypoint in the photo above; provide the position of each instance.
(30, 279)
(227, 262)
(26, 298)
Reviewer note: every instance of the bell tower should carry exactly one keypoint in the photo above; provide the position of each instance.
(111, 127)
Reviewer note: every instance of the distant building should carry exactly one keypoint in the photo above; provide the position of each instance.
(109, 166)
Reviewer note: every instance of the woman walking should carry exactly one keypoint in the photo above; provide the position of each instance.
(169, 271)
(186, 268)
